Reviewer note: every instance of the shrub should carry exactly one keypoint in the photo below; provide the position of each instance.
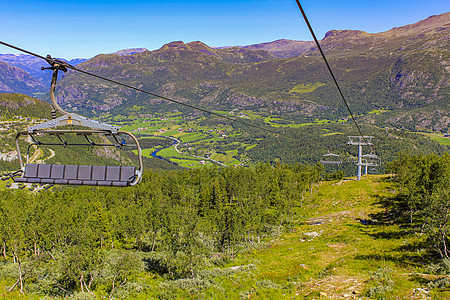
(380, 283)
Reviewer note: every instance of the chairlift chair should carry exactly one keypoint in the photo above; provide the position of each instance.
(76, 174)
(331, 159)
(373, 170)
(367, 160)
(370, 160)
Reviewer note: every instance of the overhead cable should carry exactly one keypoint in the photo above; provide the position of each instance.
(329, 68)
(52, 60)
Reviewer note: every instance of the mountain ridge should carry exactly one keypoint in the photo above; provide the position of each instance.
(15, 79)
(282, 48)
(32, 65)
(403, 68)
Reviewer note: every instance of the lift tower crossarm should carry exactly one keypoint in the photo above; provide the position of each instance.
(360, 141)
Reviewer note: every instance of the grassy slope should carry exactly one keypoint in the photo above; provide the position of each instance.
(331, 253)
(438, 138)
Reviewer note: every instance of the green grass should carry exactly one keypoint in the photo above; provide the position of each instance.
(438, 138)
(191, 137)
(375, 111)
(169, 133)
(298, 125)
(270, 119)
(146, 152)
(332, 133)
(150, 138)
(305, 88)
(222, 112)
(3, 184)
(222, 158)
(230, 154)
(321, 121)
(216, 139)
(170, 152)
(188, 163)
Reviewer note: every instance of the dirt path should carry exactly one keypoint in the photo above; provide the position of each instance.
(37, 153)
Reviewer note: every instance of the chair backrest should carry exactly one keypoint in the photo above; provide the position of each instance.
(78, 175)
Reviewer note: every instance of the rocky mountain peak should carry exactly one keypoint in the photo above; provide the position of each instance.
(280, 48)
(202, 47)
(199, 45)
(179, 45)
(130, 51)
(345, 33)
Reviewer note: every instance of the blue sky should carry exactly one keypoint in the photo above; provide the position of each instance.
(72, 29)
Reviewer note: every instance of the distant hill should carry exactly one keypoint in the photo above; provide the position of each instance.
(281, 48)
(175, 65)
(130, 51)
(21, 105)
(30, 64)
(401, 70)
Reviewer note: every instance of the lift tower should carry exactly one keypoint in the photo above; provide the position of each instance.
(360, 141)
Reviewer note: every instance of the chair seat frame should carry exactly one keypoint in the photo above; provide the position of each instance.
(31, 172)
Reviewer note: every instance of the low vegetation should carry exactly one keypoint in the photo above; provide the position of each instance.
(264, 232)
(174, 226)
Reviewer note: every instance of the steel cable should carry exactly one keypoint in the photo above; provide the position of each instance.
(330, 70)
(57, 61)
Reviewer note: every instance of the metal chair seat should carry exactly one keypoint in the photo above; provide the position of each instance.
(78, 175)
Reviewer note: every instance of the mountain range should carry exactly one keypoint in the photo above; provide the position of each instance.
(281, 48)
(14, 79)
(404, 72)
(36, 81)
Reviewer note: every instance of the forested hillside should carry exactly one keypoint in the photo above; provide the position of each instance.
(424, 199)
(243, 144)
(308, 144)
(13, 105)
(268, 231)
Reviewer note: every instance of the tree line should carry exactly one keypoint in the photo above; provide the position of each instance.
(424, 197)
(175, 223)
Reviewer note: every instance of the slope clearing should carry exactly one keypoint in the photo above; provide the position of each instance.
(339, 250)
